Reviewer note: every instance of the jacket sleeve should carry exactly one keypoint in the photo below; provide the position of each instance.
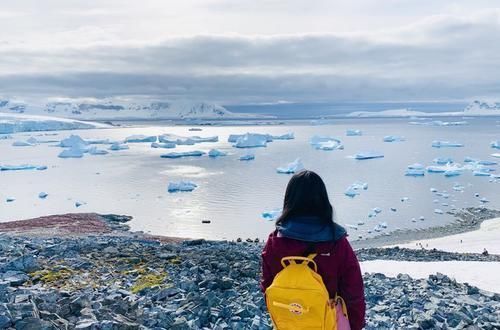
(267, 276)
(351, 287)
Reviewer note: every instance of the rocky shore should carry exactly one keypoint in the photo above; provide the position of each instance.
(108, 278)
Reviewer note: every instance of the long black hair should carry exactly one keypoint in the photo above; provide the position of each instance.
(306, 195)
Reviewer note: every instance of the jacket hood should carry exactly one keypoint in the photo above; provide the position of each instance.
(310, 229)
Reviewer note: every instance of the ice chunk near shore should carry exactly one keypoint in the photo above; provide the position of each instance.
(355, 188)
(247, 157)
(393, 138)
(140, 138)
(181, 186)
(251, 140)
(326, 143)
(353, 132)
(164, 145)
(95, 151)
(446, 144)
(195, 153)
(287, 136)
(442, 160)
(118, 146)
(291, 168)
(73, 152)
(271, 215)
(216, 153)
(42, 195)
(495, 144)
(5, 137)
(368, 155)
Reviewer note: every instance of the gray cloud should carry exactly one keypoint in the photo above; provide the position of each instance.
(439, 58)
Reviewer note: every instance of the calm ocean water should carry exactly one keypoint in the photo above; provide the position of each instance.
(232, 194)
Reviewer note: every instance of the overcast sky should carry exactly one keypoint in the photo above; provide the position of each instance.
(250, 51)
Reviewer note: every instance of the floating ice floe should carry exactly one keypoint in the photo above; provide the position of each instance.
(99, 141)
(73, 141)
(481, 173)
(326, 143)
(458, 187)
(13, 123)
(438, 211)
(5, 137)
(377, 210)
(351, 226)
(73, 152)
(440, 123)
(287, 136)
(393, 138)
(250, 140)
(495, 144)
(353, 132)
(496, 155)
(42, 195)
(22, 167)
(78, 203)
(415, 170)
(10, 199)
(195, 153)
(247, 157)
(195, 129)
(181, 186)
(165, 145)
(140, 138)
(291, 168)
(216, 153)
(368, 155)
(95, 151)
(271, 215)
(182, 140)
(118, 146)
(484, 200)
(22, 144)
(355, 188)
(433, 190)
(442, 160)
(446, 144)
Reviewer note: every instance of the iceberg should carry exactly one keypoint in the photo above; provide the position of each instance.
(216, 153)
(195, 129)
(452, 172)
(496, 155)
(291, 168)
(22, 144)
(96, 151)
(393, 138)
(73, 152)
(234, 137)
(443, 160)
(181, 186)
(495, 144)
(368, 155)
(271, 215)
(487, 162)
(140, 138)
(326, 143)
(182, 140)
(251, 140)
(355, 188)
(481, 173)
(72, 141)
(438, 211)
(484, 200)
(195, 153)
(287, 136)
(415, 172)
(247, 157)
(353, 132)
(118, 146)
(99, 141)
(17, 167)
(42, 195)
(10, 199)
(41, 168)
(446, 144)
(164, 145)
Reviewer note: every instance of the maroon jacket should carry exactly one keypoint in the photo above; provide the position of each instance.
(337, 264)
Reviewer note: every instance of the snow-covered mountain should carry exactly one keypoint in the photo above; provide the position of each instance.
(483, 108)
(111, 109)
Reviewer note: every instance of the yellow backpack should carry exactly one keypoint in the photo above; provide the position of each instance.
(298, 298)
